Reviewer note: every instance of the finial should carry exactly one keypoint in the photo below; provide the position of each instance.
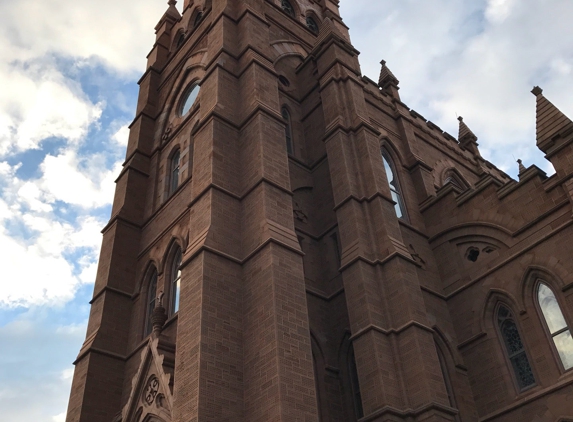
(158, 316)
(172, 2)
(537, 91)
(460, 119)
(383, 62)
(521, 166)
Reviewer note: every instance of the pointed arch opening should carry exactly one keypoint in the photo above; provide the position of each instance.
(354, 383)
(455, 179)
(151, 299)
(174, 169)
(555, 324)
(514, 348)
(175, 280)
(394, 184)
(288, 8)
(288, 129)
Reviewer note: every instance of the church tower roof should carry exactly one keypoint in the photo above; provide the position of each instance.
(550, 121)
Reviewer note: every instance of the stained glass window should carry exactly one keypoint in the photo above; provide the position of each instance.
(514, 348)
(394, 186)
(175, 281)
(556, 324)
(287, 7)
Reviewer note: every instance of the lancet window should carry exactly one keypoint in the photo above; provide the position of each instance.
(311, 24)
(556, 324)
(514, 348)
(175, 277)
(354, 384)
(287, 8)
(175, 165)
(288, 130)
(151, 298)
(395, 190)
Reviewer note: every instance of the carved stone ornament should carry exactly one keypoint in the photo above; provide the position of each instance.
(167, 133)
(151, 390)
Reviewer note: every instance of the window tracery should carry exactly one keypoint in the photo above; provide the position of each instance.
(311, 25)
(514, 348)
(287, 8)
(556, 324)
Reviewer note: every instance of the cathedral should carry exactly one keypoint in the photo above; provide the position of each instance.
(289, 241)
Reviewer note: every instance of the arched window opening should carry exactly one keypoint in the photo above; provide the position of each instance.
(312, 25)
(189, 99)
(514, 348)
(288, 130)
(555, 324)
(174, 172)
(198, 19)
(354, 383)
(151, 298)
(180, 39)
(394, 185)
(287, 8)
(175, 277)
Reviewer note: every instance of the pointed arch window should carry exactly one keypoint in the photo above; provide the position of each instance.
(447, 379)
(556, 324)
(198, 19)
(454, 179)
(180, 39)
(151, 299)
(175, 165)
(311, 25)
(354, 384)
(175, 280)
(288, 130)
(514, 348)
(287, 8)
(394, 185)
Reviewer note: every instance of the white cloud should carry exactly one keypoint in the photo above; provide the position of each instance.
(118, 33)
(121, 136)
(475, 59)
(38, 102)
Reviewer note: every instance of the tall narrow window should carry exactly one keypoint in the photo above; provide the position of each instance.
(198, 19)
(174, 176)
(556, 324)
(175, 281)
(514, 348)
(151, 298)
(180, 39)
(354, 383)
(288, 129)
(393, 183)
(287, 8)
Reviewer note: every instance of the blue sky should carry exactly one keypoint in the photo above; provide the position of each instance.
(69, 73)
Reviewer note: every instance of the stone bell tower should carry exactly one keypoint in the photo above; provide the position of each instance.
(290, 242)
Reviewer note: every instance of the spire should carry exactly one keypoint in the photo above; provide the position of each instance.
(172, 10)
(388, 82)
(467, 139)
(521, 166)
(551, 122)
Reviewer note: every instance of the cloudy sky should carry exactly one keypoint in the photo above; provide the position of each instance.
(69, 71)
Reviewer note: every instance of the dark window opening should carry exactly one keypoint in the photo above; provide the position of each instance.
(198, 19)
(288, 130)
(175, 166)
(287, 8)
(473, 255)
(284, 81)
(312, 25)
(514, 348)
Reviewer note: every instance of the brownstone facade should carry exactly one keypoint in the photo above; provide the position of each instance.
(290, 242)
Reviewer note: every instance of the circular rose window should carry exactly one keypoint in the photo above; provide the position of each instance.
(189, 99)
